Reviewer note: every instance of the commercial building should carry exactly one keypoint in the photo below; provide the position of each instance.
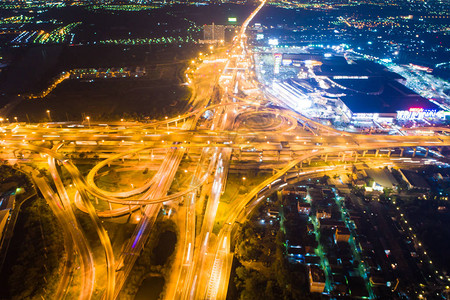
(214, 33)
(366, 91)
(351, 90)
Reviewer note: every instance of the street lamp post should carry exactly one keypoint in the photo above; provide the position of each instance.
(89, 121)
(49, 116)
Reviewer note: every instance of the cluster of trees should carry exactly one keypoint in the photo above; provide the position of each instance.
(34, 256)
(283, 281)
(402, 185)
(296, 227)
(9, 174)
(151, 260)
(255, 243)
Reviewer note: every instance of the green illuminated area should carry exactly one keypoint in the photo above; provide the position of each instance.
(21, 19)
(149, 41)
(336, 239)
(190, 36)
(328, 5)
(368, 23)
(58, 27)
(31, 5)
(295, 5)
(59, 35)
(354, 244)
(129, 7)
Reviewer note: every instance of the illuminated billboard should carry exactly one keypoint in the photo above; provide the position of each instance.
(417, 113)
(232, 19)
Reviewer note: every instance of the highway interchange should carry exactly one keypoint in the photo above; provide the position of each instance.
(242, 129)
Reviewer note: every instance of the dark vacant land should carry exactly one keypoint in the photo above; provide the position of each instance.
(431, 220)
(31, 67)
(155, 95)
(109, 99)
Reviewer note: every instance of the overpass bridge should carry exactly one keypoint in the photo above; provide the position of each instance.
(243, 132)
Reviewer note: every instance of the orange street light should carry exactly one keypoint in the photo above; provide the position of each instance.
(49, 116)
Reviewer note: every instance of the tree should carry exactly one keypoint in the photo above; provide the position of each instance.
(254, 286)
(242, 272)
(270, 292)
(324, 179)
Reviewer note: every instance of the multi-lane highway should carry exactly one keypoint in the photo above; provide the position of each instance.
(218, 134)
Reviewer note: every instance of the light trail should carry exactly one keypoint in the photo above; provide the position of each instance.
(204, 253)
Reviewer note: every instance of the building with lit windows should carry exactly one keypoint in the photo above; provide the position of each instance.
(353, 90)
(214, 32)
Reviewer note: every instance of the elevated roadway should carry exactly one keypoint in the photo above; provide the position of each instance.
(203, 258)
